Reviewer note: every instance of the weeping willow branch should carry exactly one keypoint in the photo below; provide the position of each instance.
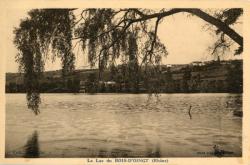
(107, 35)
(33, 38)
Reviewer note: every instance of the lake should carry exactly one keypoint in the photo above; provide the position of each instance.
(124, 125)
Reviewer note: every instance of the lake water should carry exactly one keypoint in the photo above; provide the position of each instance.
(124, 125)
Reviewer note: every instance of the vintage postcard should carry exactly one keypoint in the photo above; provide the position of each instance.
(124, 82)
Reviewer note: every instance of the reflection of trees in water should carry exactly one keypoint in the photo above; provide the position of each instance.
(234, 101)
(238, 100)
(32, 146)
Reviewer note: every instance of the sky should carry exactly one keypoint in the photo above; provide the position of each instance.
(184, 37)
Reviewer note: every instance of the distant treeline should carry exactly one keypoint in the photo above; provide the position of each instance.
(214, 76)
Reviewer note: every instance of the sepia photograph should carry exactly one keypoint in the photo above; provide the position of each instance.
(124, 83)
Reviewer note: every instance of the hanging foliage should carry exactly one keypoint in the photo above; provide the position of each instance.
(35, 35)
(105, 35)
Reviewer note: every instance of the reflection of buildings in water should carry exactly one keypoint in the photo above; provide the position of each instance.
(32, 146)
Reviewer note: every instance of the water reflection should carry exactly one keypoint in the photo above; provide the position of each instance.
(32, 146)
(130, 126)
(234, 101)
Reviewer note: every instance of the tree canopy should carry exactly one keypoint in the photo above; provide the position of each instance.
(106, 35)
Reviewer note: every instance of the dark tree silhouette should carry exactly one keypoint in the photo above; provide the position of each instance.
(106, 35)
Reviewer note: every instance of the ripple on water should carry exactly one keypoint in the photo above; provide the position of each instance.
(95, 125)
